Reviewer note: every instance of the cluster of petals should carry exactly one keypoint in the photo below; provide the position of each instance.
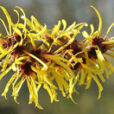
(53, 59)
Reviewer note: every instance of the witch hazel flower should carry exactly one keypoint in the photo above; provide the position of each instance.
(53, 59)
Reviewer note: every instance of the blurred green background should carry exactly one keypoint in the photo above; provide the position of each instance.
(49, 12)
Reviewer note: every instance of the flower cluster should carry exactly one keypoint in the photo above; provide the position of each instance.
(53, 59)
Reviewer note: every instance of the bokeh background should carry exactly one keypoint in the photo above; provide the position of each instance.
(49, 12)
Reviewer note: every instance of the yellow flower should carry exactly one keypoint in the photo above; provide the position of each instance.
(53, 58)
(63, 38)
(86, 57)
(96, 35)
(28, 64)
(85, 70)
(23, 72)
(100, 46)
(94, 48)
